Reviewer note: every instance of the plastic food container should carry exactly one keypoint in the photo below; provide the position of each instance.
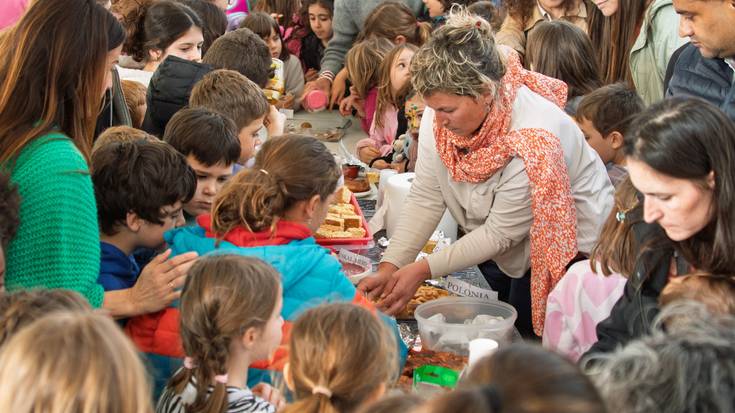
(453, 335)
(355, 266)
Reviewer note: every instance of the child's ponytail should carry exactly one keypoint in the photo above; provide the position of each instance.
(340, 356)
(132, 17)
(391, 20)
(253, 199)
(423, 32)
(315, 403)
(288, 169)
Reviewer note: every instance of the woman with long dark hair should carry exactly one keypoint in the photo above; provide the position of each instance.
(54, 69)
(55, 66)
(563, 51)
(634, 40)
(155, 30)
(680, 154)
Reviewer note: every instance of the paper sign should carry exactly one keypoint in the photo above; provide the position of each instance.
(465, 289)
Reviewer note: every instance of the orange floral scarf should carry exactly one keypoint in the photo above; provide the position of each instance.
(476, 158)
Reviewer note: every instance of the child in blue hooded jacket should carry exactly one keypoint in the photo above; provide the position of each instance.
(271, 212)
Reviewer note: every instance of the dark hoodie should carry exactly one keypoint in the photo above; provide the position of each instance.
(117, 270)
(169, 91)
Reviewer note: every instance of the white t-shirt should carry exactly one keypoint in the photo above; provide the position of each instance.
(140, 76)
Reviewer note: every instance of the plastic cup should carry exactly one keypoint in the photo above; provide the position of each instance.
(481, 347)
(315, 100)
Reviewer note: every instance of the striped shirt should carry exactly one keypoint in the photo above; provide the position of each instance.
(238, 400)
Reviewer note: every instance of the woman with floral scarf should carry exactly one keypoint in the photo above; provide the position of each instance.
(515, 172)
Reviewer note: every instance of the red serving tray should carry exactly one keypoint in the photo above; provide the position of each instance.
(346, 242)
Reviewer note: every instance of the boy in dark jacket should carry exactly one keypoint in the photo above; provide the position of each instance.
(169, 91)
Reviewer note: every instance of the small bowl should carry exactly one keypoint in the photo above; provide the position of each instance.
(350, 171)
(453, 335)
(355, 272)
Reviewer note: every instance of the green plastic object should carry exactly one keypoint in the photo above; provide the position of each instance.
(434, 376)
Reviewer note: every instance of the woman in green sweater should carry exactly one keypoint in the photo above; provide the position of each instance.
(55, 66)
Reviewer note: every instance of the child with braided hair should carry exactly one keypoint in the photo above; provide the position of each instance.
(230, 317)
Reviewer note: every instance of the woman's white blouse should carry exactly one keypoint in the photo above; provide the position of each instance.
(496, 214)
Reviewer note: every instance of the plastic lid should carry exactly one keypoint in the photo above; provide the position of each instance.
(315, 100)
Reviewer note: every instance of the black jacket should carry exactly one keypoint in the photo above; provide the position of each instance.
(633, 314)
(169, 91)
(709, 79)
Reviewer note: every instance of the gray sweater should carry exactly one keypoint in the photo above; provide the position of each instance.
(349, 18)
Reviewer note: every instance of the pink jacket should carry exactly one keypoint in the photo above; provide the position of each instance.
(382, 138)
(11, 11)
(371, 102)
(577, 304)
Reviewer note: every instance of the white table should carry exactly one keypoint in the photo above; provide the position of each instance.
(328, 120)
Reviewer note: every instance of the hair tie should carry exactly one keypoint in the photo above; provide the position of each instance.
(264, 171)
(623, 213)
(478, 23)
(493, 397)
(221, 378)
(620, 216)
(189, 363)
(322, 390)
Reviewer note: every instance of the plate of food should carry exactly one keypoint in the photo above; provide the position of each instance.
(358, 185)
(344, 225)
(424, 294)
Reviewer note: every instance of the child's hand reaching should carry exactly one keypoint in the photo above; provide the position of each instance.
(368, 153)
(286, 102)
(275, 122)
(339, 87)
(345, 106)
(271, 395)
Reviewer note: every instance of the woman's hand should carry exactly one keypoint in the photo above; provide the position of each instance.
(266, 392)
(373, 285)
(402, 285)
(160, 282)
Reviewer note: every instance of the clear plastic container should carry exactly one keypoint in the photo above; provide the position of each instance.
(452, 334)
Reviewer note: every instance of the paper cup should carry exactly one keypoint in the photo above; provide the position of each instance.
(479, 348)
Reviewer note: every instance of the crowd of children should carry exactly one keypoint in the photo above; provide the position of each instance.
(157, 224)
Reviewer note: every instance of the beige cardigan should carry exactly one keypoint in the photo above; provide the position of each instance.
(496, 214)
